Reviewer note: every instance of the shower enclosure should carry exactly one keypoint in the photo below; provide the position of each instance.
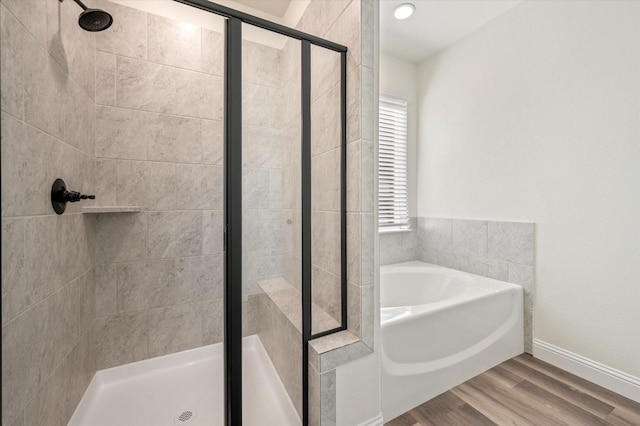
(215, 249)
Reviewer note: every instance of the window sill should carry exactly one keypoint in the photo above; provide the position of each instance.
(393, 231)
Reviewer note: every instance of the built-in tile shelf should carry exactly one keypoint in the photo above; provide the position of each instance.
(111, 209)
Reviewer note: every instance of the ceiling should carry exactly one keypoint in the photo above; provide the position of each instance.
(272, 7)
(434, 25)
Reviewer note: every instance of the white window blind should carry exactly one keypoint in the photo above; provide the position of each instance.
(393, 207)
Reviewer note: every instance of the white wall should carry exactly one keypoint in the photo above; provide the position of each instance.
(399, 79)
(536, 117)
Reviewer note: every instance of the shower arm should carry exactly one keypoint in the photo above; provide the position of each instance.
(82, 5)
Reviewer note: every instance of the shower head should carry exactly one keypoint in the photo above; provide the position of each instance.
(93, 19)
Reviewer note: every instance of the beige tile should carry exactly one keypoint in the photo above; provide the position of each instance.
(86, 183)
(325, 70)
(367, 177)
(74, 244)
(354, 102)
(174, 234)
(145, 86)
(120, 238)
(49, 405)
(367, 236)
(367, 326)
(354, 308)
(31, 161)
(79, 368)
(62, 325)
(255, 184)
(326, 292)
(106, 288)
(212, 233)
(43, 267)
(200, 186)
(277, 118)
(79, 119)
(128, 34)
(262, 147)
(150, 185)
(44, 90)
(105, 79)
(255, 105)
(325, 110)
(123, 133)
(354, 247)
(260, 64)
(15, 295)
(325, 241)
(23, 352)
(122, 339)
(369, 102)
(314, 397)
(32, 14)
(353, 176)
(328, 398)
(325, 186)
(212, 322)
(176, 139)
(212, 142)
(367, 33)
(212, 52)
(12, 43)
(86, 289)
(174, 329)
(71, 46)
(199, 278)
(346, 31)
(146, 285)
(172, 42)
(105, 189)
(198, 95)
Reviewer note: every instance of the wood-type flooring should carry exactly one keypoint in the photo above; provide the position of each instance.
(524, 391)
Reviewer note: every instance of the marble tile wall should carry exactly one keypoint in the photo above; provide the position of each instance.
(159, 145)
(48, 125)
(499, 250)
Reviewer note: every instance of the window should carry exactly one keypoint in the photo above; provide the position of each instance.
(393, 208)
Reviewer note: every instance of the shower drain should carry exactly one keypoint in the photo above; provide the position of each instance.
(185, 417)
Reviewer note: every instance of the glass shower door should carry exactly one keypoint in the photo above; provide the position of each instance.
(271, 220)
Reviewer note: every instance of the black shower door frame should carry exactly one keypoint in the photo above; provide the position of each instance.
(233, 198)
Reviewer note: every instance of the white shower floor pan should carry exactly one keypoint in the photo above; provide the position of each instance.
(186, 389)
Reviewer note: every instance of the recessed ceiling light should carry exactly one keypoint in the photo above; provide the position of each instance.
(404, 11)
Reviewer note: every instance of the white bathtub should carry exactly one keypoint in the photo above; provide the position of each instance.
(441, 327)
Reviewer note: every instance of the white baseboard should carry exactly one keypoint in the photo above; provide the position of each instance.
(376, 421)
(600, 374)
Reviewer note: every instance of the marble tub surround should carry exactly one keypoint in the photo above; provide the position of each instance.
(48, 285)
(399, 246)
(494, 249)
(499, 250)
